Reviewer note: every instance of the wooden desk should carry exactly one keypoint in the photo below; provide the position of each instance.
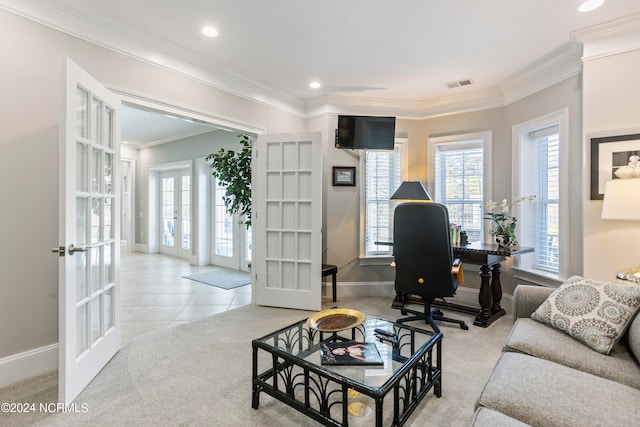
(489, 257)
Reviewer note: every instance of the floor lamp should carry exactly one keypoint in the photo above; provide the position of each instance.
(622, 202)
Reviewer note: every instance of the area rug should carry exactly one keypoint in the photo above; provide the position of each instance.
(221, 278)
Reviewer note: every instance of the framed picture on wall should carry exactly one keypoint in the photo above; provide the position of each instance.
(344, 176)
(613, 157)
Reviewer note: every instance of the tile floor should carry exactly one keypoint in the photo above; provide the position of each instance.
(155, 295)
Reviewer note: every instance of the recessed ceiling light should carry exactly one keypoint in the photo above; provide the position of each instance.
(589, 5)
(209, 31)
(315, 85)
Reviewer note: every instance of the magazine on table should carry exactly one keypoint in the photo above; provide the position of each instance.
(349, 353)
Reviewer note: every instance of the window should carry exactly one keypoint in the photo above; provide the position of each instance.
(223, 224)
(382, 177)
(459, 179)
(537, 150)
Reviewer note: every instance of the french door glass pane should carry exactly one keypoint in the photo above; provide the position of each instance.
(95, 319)
(186, 211)
(82, 100)
(82, 167)
(108, 168)
(248, 245)
(109, 131)
(81, 220)
(81, 275)
(108, 309)
(95, 268)
(168, 212)
(96, 165)
(108, 214)
(109, 268)
(82, 320)
(96, 216)
(96, 122)
(223, 224)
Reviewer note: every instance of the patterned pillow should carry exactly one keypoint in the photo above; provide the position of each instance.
(594, 312)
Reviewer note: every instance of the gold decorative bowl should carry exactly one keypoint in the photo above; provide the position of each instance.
(335, 319)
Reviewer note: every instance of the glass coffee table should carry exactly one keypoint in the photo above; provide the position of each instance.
(287, 365)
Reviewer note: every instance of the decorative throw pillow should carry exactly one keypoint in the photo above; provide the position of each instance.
(594, 312)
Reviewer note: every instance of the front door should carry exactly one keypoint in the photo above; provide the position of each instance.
(175, 213)
(89, 231)
(287, 220)
(231, 237)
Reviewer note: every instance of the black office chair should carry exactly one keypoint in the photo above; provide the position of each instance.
(424, 260)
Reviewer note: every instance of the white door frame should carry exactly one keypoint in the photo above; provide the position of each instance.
(153, 207)
(238, 260)
(179, 232)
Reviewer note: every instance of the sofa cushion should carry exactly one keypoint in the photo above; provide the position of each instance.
(490, 418)
(536, 339)
(543, 393)
(594, 312)
(633, 336)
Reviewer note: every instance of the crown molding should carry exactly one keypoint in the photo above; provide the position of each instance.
(406, 109)
(610, 38)
(77, 20)
(89, 24)
(558, 65)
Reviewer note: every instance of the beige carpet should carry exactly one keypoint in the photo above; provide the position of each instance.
(200, 374)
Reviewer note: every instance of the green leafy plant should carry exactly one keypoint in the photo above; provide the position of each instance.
(233, 171)
(503, 222)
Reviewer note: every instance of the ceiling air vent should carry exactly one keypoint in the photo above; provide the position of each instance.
(458, 83)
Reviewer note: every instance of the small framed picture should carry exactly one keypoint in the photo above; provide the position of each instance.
(344, 176)
(613, 157)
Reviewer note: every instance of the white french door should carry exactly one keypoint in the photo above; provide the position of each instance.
(89, 230)
(231, 240)
(287, 208)
(175, 213)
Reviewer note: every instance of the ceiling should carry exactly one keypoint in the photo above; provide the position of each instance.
(362, 51)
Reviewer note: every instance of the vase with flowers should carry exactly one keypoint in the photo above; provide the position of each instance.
(503, 222)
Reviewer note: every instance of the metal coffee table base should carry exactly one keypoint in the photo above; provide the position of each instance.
(323, 395)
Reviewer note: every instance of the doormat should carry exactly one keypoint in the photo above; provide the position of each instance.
(225, 279)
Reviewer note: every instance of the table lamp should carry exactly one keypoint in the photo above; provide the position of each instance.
(622, 202)
(411, 191)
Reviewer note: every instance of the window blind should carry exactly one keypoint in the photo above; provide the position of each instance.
(547, 181)
(459, 185)
(383, 177)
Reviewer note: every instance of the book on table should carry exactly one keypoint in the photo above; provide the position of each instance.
(349, 353)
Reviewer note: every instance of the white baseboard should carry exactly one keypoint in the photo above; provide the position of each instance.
(141, 247)
(29, 364)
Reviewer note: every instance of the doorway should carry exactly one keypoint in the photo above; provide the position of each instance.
(175, 213)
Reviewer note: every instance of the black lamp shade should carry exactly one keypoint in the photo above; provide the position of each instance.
(411, 191)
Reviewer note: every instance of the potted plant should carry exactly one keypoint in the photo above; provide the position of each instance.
(503, 225)
(233, 170)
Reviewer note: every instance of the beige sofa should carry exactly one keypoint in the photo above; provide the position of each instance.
(545, 377)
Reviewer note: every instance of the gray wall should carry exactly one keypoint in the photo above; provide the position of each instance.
(29, 111)
(342, 203)
(188, 149)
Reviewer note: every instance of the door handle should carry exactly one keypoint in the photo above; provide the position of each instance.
(73, 249)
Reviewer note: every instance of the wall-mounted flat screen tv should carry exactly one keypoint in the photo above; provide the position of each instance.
(366, 132)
